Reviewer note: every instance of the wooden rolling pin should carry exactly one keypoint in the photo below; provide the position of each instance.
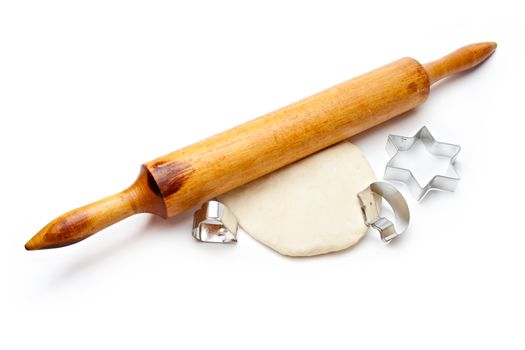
(177, 181)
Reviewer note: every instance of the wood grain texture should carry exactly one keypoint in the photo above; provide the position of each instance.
(177, 181)
(228, 160)
(458, 61)
(142, 196)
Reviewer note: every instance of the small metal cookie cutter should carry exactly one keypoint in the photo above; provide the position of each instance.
(396, 144)
(215, 223)
(371, 207)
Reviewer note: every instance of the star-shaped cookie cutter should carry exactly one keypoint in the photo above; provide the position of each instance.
(396, 144)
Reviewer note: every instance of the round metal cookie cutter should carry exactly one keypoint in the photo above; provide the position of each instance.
(371, 207)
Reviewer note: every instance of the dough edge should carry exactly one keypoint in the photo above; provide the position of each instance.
(254, 202)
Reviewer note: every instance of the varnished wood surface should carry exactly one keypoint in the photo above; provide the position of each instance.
(177, 181)
(141, 197)
(228, 160)
(458, 61)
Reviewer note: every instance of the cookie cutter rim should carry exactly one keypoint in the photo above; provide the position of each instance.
(397, 143)
(215, 223)
(371, 208)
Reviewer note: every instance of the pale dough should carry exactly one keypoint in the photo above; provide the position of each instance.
(309, 207)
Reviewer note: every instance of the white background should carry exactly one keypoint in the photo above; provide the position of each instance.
(90, 90)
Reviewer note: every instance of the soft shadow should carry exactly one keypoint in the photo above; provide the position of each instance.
(154, 226)
(435, 195)
(371, 236)
(437, 87)
(389, 124)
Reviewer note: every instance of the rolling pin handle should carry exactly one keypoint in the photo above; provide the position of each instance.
(458, 61)
(72, 227)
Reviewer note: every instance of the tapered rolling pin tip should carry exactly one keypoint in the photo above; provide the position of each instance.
(460, 60)
(79, 224)
(31, 244)
(63, 231)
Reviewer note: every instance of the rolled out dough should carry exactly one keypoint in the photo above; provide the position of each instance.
(309, 207)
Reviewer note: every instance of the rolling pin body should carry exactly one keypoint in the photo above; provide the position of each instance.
(228, 160)
(177, 181)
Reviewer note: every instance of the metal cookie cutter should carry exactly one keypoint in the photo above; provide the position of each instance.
(396, 144)
(214, 222)
(372, 207)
